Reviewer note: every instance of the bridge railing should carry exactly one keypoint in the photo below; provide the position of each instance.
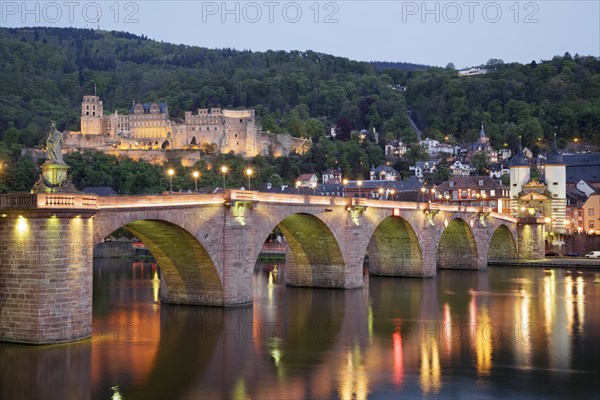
(28, 201)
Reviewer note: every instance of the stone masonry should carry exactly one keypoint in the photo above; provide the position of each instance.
(207, 247)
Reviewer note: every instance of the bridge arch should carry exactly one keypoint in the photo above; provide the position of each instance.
(457, 248)
(314, 258)
(502, 245)
(394, 249)
(188, 273)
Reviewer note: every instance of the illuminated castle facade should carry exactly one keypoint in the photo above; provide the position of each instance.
(149, 127)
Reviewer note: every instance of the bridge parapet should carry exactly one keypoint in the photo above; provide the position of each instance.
(27, 201)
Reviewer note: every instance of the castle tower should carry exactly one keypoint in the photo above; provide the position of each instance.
(92, 113)
(519, 175)
(555, 175)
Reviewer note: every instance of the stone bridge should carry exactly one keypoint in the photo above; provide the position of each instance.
(207, 246)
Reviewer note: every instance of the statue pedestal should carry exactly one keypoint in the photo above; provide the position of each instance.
(53, 179)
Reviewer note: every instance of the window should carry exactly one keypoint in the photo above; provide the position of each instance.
(591, 224)
(451, 184)
(514, 185)
(492, 192)
(555, 183)
(590, 212)
(446, 193)
(481, 182)
(483, 192)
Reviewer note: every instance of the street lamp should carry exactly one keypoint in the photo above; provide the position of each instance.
(345, 183)
(171, 172)
(359, 184)
(223, 172)
(423, 190)
(249, 174)
(196, 174)
(314, 186)
(298, 187)
(393, 193)
(380, 192)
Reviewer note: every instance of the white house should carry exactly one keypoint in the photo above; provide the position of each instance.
(472, 71)
(424, 167)
(460, 168)
(307, 180)
(395, 148)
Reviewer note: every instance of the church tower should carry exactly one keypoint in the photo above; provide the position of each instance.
(555, 176)
(519, 176)
(92, 114)
(483, 139)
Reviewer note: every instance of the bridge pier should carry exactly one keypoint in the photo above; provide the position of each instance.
(46, 262)
(531, 233)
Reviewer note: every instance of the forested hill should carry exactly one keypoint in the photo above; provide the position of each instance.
(45, 71)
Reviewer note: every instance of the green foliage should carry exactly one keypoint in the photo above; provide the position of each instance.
(45, 72)
(535, 174)
(480, 163)
(561, 95)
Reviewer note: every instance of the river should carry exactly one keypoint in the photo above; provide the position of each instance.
(502, 333)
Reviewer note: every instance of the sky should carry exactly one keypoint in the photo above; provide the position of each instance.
(466, 33)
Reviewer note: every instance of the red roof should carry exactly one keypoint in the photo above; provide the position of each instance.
(305, 177)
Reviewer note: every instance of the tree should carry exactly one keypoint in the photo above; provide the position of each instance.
(534, 174)
(480, 163)
(275, 180)
(416, 153)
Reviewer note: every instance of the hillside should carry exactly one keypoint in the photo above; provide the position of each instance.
(45, 72)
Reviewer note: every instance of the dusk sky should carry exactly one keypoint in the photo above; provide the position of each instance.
(466, 33)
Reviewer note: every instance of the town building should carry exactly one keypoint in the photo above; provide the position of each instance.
(395, 148)
(483, 146)
(383, 173)
(545, 198)
(472, 71)
(574, 210)
(148, 126)
(478, 191)
(384, 189)
(460, 168)
(307, 180)
(331, 176)
(422, 168)
(591, 214)
(584, 166)
(498, 169)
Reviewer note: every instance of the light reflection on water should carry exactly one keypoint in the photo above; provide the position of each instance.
(525, 333)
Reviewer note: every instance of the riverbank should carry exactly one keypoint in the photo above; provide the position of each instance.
(562, 262)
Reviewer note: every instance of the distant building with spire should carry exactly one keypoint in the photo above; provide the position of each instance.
(483, 146)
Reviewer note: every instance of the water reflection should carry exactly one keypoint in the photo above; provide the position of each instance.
(489, 334)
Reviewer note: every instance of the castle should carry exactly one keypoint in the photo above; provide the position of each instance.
(149, 127)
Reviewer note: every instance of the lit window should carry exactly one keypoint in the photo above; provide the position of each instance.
(590, 212)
